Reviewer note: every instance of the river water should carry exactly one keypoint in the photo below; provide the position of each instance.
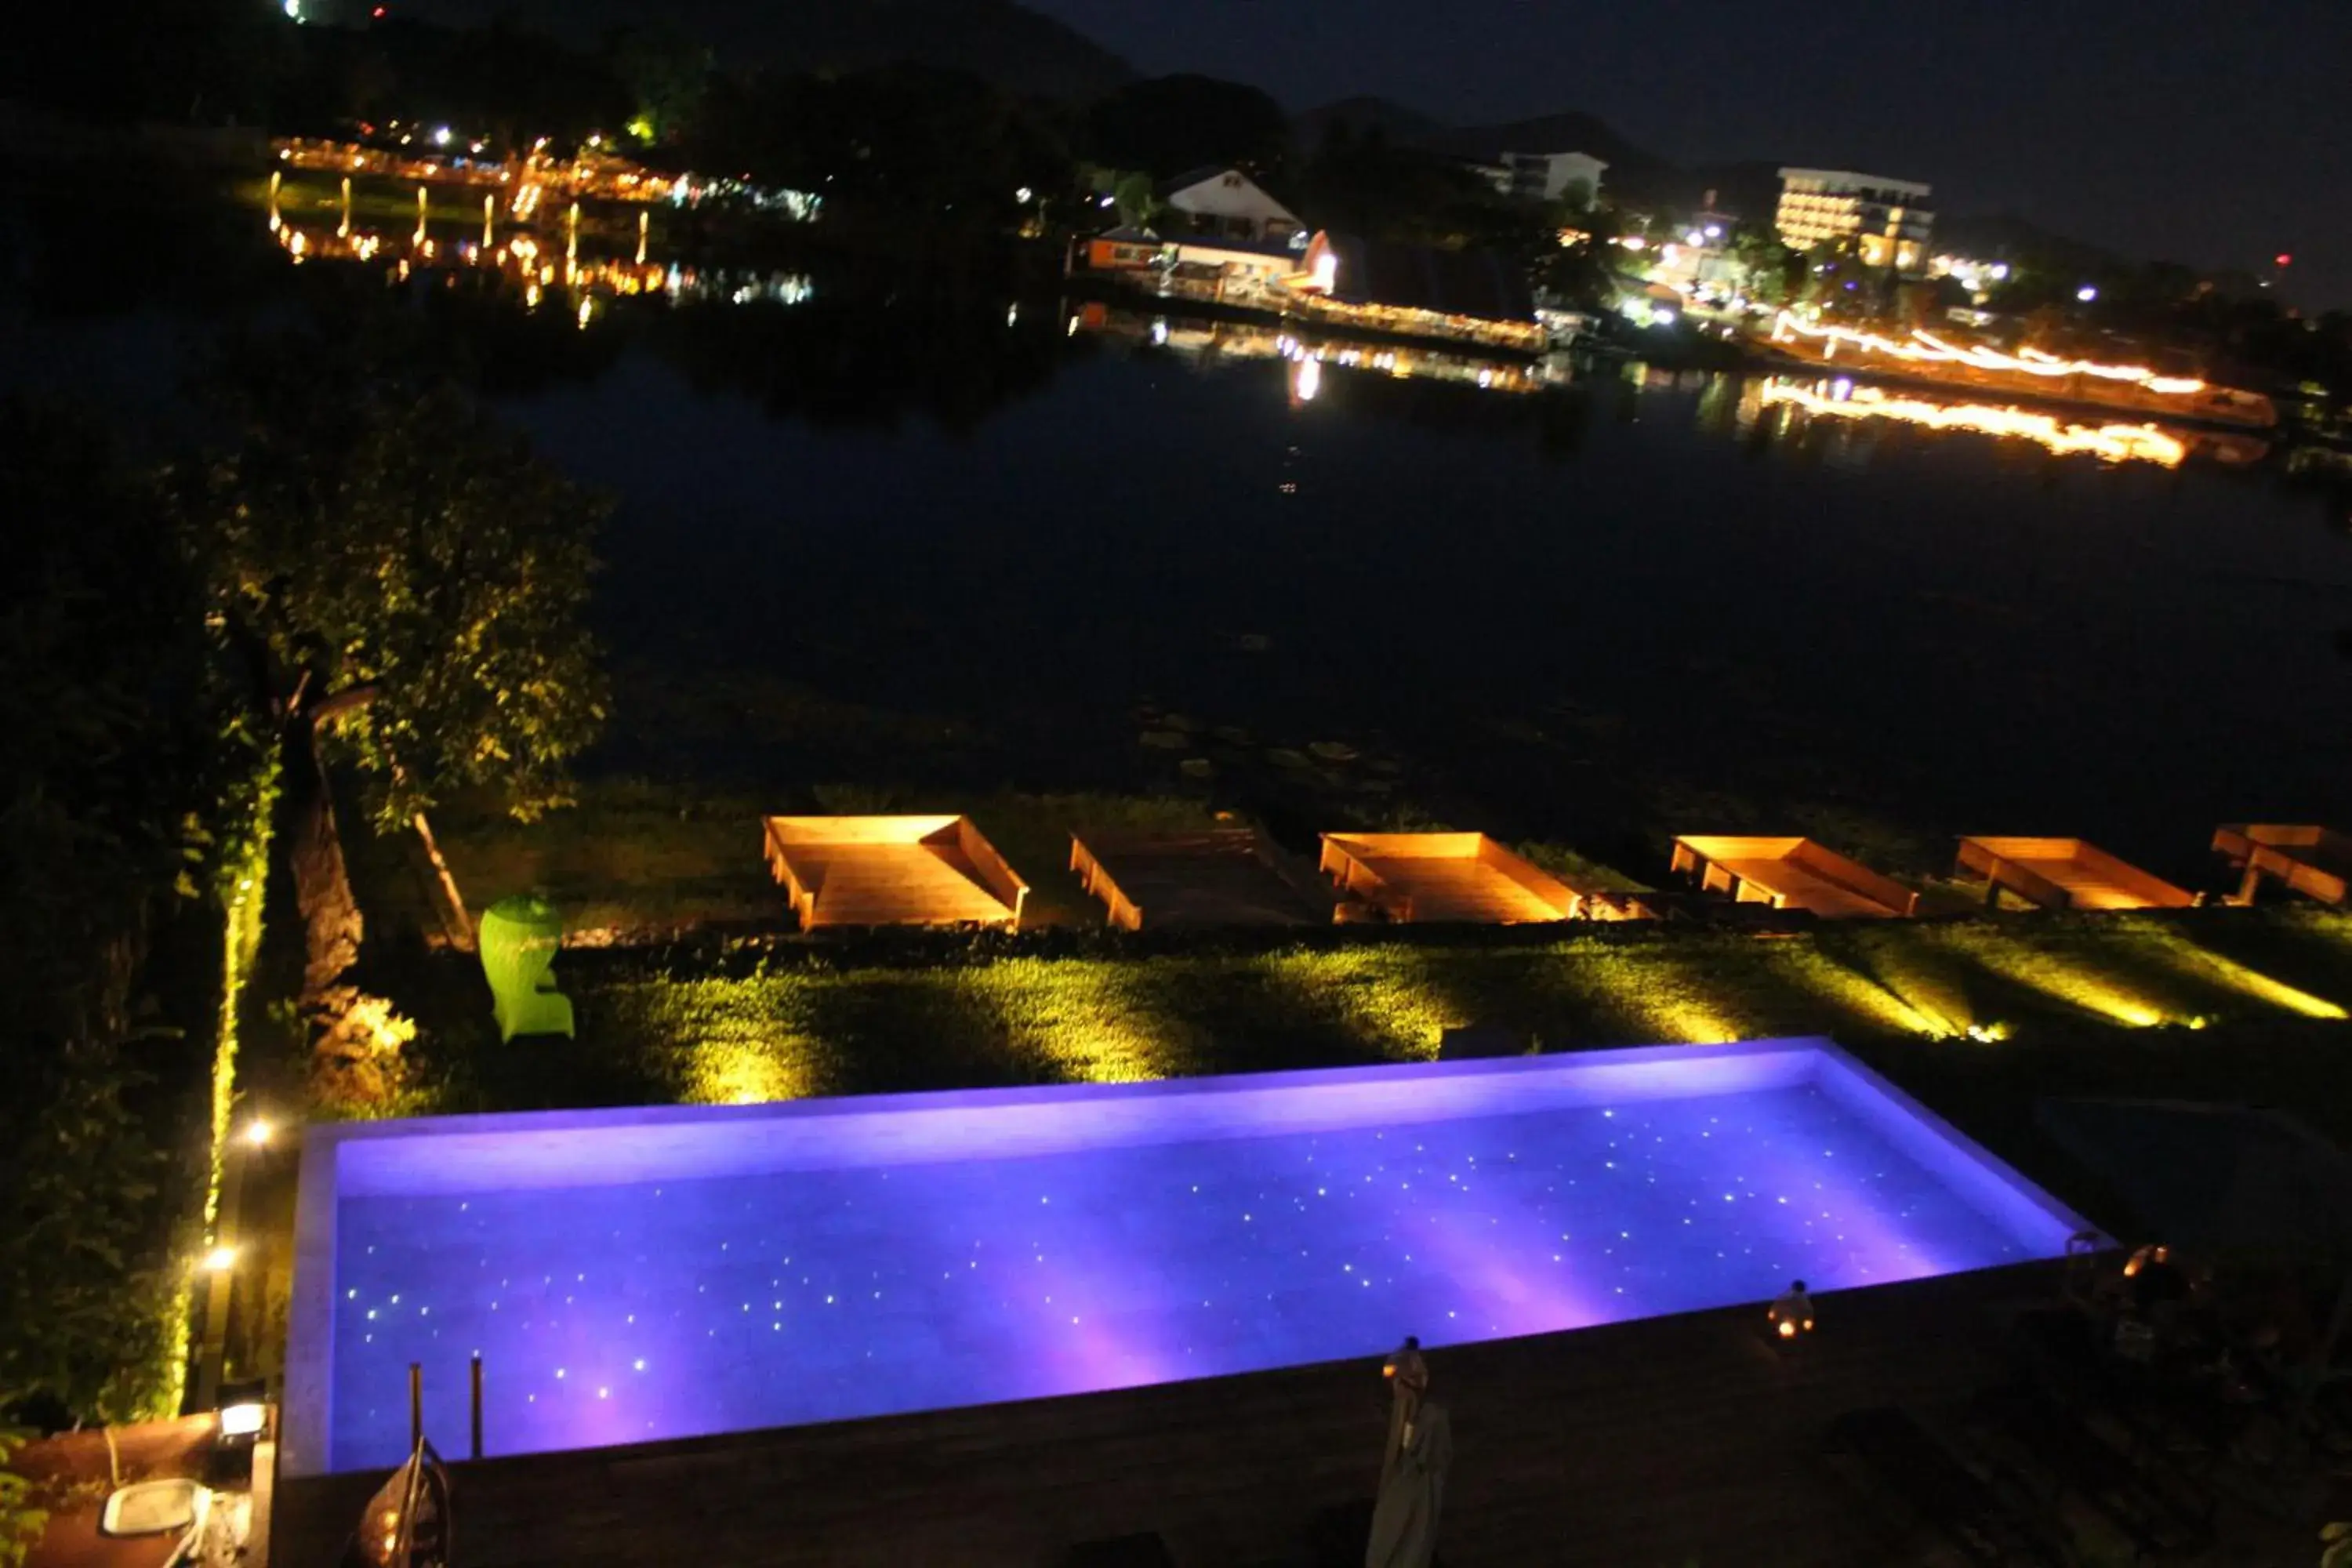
(1637, 601)
(1008, 540)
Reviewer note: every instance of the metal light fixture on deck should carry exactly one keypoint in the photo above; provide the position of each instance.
(1791, 1313)
(243, 1413)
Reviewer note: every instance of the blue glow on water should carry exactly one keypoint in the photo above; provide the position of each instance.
(666, 1308)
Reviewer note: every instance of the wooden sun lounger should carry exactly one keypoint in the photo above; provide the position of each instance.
(1213, 877)
(2064, 874)
(1445, 877)
(2314, 861)
(1791, 873)
(892, 870)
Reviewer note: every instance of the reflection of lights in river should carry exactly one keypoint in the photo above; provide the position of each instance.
(2109, 443)
(1231, 341)
(1926, 348)
(1307, 379)
(520, 261)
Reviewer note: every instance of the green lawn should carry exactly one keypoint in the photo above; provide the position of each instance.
(2212, 1004)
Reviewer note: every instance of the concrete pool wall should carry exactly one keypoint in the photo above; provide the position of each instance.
(584, 1149)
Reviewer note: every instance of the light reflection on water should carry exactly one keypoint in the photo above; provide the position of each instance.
(1645, 584)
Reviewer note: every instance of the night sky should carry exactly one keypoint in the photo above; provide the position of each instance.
(2213, 133)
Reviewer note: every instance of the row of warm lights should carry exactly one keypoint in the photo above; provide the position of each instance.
(221, 1256)
(2111, 443)
(628, 182)
(1927, 348)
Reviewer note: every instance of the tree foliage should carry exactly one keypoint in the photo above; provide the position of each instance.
(113, 766)
(908, 142)
(667, 74)
(1771, 272)
(89, 1280)
(1169, 124)
(403, 568)
(22, 1519)
(1365, 185)
(207, 61)
(502, 78)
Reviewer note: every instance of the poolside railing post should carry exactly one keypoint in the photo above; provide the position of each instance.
(415, 1404)
(474, 1449)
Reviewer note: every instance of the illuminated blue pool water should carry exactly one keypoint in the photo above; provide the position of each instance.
(639, 1275)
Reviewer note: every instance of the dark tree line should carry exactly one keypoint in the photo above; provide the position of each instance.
(120, 761)
(359, 588)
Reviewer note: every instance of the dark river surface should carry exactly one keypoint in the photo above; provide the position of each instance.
(1637, 602)
(1001, 545)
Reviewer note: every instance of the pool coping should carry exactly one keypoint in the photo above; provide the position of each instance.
(306, 1398)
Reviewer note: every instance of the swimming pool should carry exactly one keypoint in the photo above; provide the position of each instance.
(633, 1275)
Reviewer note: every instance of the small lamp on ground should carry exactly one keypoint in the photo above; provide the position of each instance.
(1791, 1313)
(243, 1413)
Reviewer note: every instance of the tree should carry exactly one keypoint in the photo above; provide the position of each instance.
(915, 144)
(1772, 273)
(186, 60)
(1139, 203)
(666, 73)
(1364, 185)
(1169, 124)
(114, 760)
(405, 583)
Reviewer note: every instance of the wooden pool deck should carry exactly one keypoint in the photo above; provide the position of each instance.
(2314, 861)
(2065, 874)
(892, 870)
(1791, 873)
(1445, 878)
(1667, 1441)
(1217, 877)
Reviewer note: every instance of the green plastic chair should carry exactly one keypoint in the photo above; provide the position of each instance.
(519, 937)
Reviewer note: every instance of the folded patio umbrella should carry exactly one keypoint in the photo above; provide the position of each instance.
(1404, 1515)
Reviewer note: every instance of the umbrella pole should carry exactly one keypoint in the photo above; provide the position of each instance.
(1404, 1405)
(1408, 1377)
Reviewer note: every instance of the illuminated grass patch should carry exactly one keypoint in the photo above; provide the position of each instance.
(1895, 989)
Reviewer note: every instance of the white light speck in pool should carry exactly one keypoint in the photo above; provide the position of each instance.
(1156, 1232)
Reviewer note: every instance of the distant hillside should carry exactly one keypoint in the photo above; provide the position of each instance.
(1635, 174)
(996, 39)
(1401, 127)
